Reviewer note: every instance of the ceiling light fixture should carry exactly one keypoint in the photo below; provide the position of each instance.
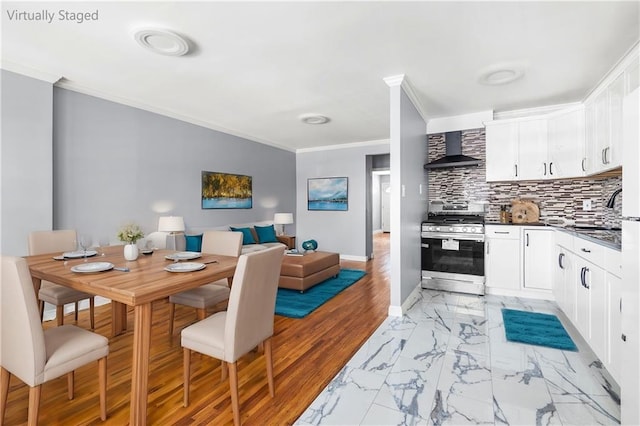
(314, 119)
(498, 74)
(161, 41)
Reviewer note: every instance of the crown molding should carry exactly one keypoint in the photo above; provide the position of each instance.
(29, 71)
(344, 146)
(403, 81)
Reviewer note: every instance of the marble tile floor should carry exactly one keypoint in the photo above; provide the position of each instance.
(447, 361)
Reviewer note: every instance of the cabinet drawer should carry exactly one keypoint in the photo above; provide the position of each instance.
(588, 250)
(613, 261)
(509, 232)
(564, 239)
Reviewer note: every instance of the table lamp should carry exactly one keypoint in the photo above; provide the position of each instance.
(282, 219)
(172, 225)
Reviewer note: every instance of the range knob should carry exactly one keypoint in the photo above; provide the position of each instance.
(437, 229)
(450, 229)
(464, 229)
(431, 228)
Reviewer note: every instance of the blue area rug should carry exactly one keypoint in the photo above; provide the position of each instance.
(293, 304)
(536, 329)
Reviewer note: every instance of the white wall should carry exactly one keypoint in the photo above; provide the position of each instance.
(408, 195)
(343, 232)
(26, 161)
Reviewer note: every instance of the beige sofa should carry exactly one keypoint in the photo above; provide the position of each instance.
(246, 248)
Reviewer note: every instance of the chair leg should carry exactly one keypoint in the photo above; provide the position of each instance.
(60, 315)
(269, 359)
(172, 314)
(92, 311)
(223, 371)
(5, 376)
(102, 379)
(75, 315)
(201, 314)
(41, 310)
(186, 368)
(34, 405)
(70, 384)
(233, 384)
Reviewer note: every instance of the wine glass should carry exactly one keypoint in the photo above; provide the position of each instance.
(85, 243)
(102, 243)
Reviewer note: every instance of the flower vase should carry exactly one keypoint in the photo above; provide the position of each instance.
(131, 251)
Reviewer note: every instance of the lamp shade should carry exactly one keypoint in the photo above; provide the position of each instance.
(283, 218)
(171, 224)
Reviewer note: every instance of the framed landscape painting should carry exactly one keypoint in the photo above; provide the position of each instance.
(226, 191)
(328, 193)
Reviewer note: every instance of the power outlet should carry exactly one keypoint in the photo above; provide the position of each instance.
(586, 205)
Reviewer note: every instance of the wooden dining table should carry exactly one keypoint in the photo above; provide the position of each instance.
(145, 282)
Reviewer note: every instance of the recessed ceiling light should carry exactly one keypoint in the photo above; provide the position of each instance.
(314, 119)
(161, 41)
(501, 74)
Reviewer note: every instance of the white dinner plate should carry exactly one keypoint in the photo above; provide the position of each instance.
(79, 253)
(89, 268)
(183, 255)
(184, 267)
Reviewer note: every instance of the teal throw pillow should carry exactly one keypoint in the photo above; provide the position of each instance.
(247, 236)
(194, 242)
(266, 234)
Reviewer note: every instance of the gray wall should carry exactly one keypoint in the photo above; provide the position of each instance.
(114, 164)
(338, 231)
(26, 200)
(408, 155)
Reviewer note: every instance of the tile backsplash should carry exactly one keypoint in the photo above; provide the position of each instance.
(560, 201)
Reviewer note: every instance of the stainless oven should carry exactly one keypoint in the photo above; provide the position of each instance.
(452, 249)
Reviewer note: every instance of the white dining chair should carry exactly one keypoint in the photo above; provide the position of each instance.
(224, 243)
(37, 356)
(59, 241)
(246, 324)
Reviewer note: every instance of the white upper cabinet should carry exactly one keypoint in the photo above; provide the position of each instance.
(605, 126)
(566, 143)
(502, 151)
(532, 150)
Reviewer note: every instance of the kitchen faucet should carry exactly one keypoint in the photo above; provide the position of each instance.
(612, 199)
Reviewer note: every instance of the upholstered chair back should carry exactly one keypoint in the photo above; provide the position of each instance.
(41, 242)
(23, 348)
(224, 243)
(250, 313)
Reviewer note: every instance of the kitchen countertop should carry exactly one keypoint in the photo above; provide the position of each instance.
(609, 237)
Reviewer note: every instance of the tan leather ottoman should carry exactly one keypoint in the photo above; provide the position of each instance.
(303, 272)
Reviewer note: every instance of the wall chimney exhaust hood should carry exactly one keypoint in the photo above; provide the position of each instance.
(453, 154)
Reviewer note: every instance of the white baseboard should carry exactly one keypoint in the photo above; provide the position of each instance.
(398, 311)
(530, 294)
(354, 258)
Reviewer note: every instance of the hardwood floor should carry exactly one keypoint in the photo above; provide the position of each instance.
(307, 354)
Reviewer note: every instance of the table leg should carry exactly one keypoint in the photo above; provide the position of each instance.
(140, 367)
(118, 318)
(37, 282)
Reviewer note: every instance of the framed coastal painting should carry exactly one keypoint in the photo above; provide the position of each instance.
(226, 191)
(330, 193)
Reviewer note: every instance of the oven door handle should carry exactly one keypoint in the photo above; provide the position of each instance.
(479, 238)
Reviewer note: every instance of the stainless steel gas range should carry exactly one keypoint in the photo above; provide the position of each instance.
(452, 240)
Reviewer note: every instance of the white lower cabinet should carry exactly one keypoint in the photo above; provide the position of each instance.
(502, 257)
(588, 290)
(564, 282)
(538, 258)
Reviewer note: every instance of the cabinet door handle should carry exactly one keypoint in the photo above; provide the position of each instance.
(487, 247)
(560, 260)
(585, 250)
(527, 238)
(551, 168)
(583, 270)
(516, 168)
(607, 154)
(586, 284)
(582, 164)
(545, 169)
(501, 232)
